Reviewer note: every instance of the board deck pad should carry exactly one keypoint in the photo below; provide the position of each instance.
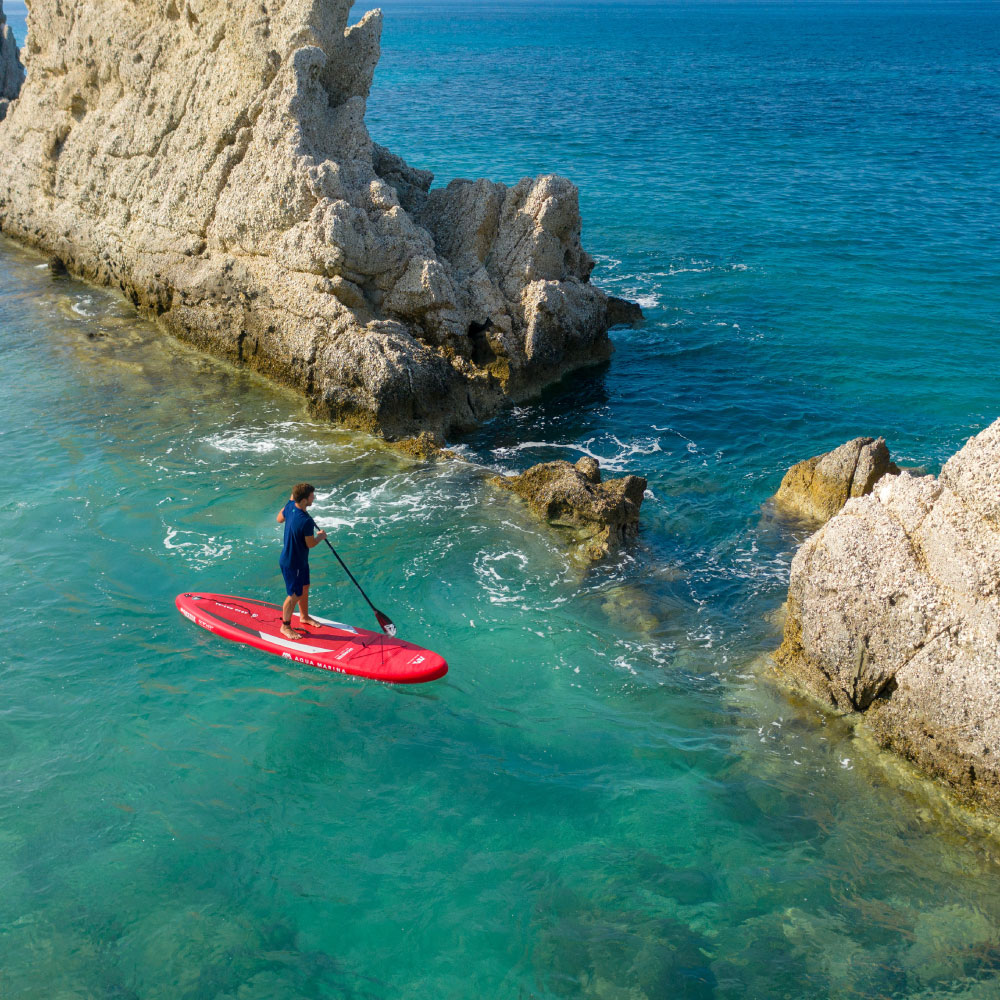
(333, 646)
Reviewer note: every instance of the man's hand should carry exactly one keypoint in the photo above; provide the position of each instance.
(320, 536)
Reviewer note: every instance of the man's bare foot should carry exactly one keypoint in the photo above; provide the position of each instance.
(289, 633)
(310, 622)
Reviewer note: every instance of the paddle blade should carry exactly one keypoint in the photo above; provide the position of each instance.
(386, 623)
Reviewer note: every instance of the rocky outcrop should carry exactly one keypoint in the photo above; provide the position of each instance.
(425, 447)
(894, 612)
(622, 312)
(597, 518)
(11, 71)
(818, 488)
(211, 160)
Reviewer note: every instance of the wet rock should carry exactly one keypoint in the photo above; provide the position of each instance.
(597, 517)
(894, 612)
(426, 447)
(622, 312)
(211, 161)
(56, 266)
(11, 70)
(820, 486)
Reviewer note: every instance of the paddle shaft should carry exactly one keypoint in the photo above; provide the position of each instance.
(378, 614)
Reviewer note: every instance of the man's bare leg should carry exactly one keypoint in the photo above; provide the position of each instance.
(286, 616)
(304, 618)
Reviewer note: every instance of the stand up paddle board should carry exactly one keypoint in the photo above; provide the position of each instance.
(333, 646)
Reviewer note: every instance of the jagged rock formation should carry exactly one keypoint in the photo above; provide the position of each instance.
(894, 611)
(424, 447)
(597, 517)
(621, 312)
(212, 161)
(818, 488)
(11, 71)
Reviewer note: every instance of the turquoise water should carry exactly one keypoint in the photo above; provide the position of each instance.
(604, 798)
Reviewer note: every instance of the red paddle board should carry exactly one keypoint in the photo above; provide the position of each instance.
(333, 646)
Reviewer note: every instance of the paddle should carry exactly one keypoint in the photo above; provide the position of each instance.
(384, 620)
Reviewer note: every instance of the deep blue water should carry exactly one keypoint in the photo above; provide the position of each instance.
(605, 798)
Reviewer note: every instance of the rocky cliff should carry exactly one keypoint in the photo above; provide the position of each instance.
(212, 161)
(11, 72)
(894, 611)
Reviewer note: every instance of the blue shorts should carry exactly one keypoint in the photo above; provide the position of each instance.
(296, 577)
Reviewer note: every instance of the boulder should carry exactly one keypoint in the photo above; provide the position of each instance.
(622, 312)
(424, 447)
(894, 612)
(211, 160)
(820, 486)
(11, 70)
(597, 517)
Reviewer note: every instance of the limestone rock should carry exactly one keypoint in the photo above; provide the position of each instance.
(11, 71)
(597, 517)
(894, 611)
(820, 486)
(211, 160)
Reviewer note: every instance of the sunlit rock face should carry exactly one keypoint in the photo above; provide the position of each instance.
(894, 611)
(818, 487)
(212, 161)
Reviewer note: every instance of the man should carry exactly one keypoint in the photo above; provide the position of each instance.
(300, 537)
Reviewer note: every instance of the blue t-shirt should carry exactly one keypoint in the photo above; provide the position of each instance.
(298, 526)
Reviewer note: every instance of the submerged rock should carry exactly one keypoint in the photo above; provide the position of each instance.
(894, 611)
(211, 160)
(820, 486)
(11, 70)
(598, 517)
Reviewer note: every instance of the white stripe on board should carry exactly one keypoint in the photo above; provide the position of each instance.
(327, 621)
(280, 640)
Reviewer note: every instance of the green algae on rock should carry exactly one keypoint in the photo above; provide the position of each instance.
(894, 612)
(818, 488)
(212, 162)
(597, 517)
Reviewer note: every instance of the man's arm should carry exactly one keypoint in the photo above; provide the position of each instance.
(281, 516)
(313, 540)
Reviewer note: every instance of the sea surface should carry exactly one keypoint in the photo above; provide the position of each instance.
(606, 797)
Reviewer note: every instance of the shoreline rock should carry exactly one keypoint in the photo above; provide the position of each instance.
(818, 488)
(597, 517)
(894, 613)
(212, 162)
(11, 70)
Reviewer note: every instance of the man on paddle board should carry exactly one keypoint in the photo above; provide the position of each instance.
(300, 537)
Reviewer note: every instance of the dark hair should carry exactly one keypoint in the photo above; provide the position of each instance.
(300, 491)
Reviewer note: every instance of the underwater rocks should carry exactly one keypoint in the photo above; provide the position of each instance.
(597, 517)
(211, 160)
(894, 612)
(820, 486)
(11, 71)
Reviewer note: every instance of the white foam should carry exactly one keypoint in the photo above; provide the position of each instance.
(79, 306)
(613, 463)
(198, 549)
